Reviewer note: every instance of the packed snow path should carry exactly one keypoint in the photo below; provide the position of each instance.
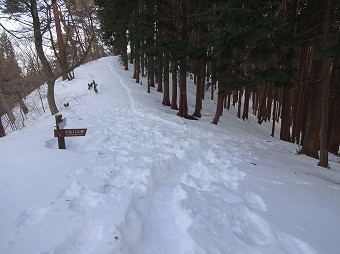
(145, 181)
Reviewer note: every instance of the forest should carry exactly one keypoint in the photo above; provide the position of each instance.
(278, 60)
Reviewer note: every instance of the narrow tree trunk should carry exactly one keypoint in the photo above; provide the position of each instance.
(199, 91)
(6, 107)
(273, 118)
(133, 51)
(46, 66)
(334, 137)
(2, 129)
(166, 94)
(285, 115)
(151, 71)
(159, 77)
(246, 104)
(261, 104)
(219, 108)
(235, 97)
(61, 46)
(212, 90)
(174, 85)
(324, 117)
(310, 142)
(300, 96)
(334, 141)
(125, 59)
(239, 103)
(269, 103)
(142, 65)
(22, 103)
(183, 104)
(228, 99)
(149, 85)
(325, 94)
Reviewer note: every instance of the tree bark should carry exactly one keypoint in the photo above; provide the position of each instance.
(6, 106)
(310, 142)
(239, 102)
(40, 51)
(183, 103)
(325, 93)
(166, 94)
(199, 91)
(334, 137)
(219, 107)
(174, 85)
(61, 46)
(285, 115)
(2, 129)
(246, 104)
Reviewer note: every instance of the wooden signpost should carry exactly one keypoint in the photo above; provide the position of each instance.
(61, 133)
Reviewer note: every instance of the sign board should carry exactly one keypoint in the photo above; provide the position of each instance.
(70, 133)
(61, 133)
(61, 125)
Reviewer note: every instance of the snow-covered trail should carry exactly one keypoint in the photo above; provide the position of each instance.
(194, 170)
(145, 181)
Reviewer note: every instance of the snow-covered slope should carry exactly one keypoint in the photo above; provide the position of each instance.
(143, 180)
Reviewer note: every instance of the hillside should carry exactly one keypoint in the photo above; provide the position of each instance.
(144, 180)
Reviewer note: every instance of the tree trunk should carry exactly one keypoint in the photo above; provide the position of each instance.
(40, 51)
(137, 67)
(228, 99)
(235, 97)
(212, 90)
(2, 129)
(261, 101)
(174, 85)
(325, 93)
(299, 97)
(166, 94)
(310, 142)
(239, 102)
(159, 76)
(246, 104)
(22, 103)
(324, 116)
(285, 115)
(199, 91)
(151, 71)
(125, 59)
(334, 141)
(6, 107)
(183, 103)
(219, 108)
(334, 137)
(61, 46)
(273, 118)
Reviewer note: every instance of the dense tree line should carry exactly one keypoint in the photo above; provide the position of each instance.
(281, 59)
(11, 82)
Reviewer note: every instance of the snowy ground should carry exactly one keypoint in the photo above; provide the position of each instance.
(144, 180)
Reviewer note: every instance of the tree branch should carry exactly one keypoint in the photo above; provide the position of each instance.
(81, 61)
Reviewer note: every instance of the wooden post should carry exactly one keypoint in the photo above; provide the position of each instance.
(61, 140)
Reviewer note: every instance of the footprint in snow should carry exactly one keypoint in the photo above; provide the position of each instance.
(249, 227)
(254, 201)
(31, 216)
